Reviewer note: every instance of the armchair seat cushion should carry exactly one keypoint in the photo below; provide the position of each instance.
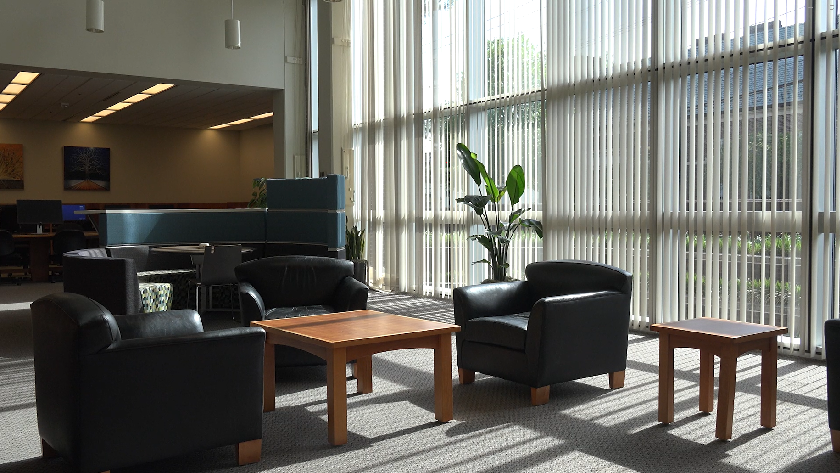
(507, 331)
(287, 312)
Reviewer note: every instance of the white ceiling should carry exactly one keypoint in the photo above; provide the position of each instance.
(72, 96)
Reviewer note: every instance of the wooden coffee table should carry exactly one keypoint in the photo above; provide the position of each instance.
(728, 340)
(357, 335)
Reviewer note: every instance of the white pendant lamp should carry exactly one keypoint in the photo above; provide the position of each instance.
(232, 38)
(95, 16)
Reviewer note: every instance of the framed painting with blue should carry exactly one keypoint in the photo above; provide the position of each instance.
(87, 168)
(11, 166)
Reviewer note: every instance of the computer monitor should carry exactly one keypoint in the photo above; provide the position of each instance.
(68, 212)
(39, 212)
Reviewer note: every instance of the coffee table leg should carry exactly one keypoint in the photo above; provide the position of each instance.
(707, 381)
(337, 396)
(443, 378)
(726, 393)
(364, 375)
(666, 379)
(768, 384)
(268, 378)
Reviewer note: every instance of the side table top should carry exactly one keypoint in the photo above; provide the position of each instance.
(358, 327)
(719, 328)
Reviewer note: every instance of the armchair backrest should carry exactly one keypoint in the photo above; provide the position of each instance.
(561, 277)
(219, 262)
(138, 253)
(111, 282)
(286, 281)
(65, 328)
(7, 243)
(67, 240)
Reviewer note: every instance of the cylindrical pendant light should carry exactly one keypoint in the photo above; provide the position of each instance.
(95, 16)
(232, 37)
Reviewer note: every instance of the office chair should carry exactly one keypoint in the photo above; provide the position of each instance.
(8, 257)
(217, 270)
(64, 241)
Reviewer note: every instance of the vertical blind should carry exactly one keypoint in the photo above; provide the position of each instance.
(693, 143)
(428, 75)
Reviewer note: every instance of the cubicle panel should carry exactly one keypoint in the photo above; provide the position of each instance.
(144, 227)
(323, 193)
(308, 227)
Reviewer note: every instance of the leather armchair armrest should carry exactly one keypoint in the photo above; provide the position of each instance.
(251, 304)
(594, 323)
(217, 377)
(832, 365)
(350, 295)
(170, 323)
(487, 300)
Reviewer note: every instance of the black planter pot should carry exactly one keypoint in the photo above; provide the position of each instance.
(360, 270)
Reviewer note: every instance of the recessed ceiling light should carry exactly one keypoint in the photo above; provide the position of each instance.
(2, 106)
(156, 89)
(14, 89)
(136, 98)
(24, 78)
(6, 98)
(244, 120)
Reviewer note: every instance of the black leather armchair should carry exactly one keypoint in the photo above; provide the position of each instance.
(832, 364)
(114, 391)
(111, 282)
(568, 320)
(291, 286)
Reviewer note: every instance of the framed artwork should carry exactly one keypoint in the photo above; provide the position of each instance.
(87, 169)
(11, 166)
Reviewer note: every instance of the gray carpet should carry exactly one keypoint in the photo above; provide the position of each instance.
(584, 426)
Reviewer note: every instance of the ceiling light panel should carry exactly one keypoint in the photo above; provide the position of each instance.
(15, 87)
(244, 120)
(154, 90)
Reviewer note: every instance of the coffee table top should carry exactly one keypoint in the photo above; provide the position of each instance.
(358, 327)
(719, 328)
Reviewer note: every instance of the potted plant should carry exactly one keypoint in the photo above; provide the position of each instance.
(497, 232)
(354, 246)
(258, 193)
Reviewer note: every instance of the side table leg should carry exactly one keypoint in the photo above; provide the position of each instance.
(337, 396)
(726, 393)
(364, 375)
(443, 378)
(707, 381)
(768, 383)
(666, 379)
(268, 378)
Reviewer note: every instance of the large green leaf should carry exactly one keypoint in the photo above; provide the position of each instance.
(489, 184)
(516, 214)
(475, 202)
(485, 241)
(515, 184)
(482, 261)
(535, 224)
(469, 162)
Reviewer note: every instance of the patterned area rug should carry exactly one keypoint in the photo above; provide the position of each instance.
(584, 427)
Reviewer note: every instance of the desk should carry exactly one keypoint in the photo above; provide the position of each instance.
(39, 252)
(728, 340)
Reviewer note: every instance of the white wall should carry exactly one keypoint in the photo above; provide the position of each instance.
(164, 39)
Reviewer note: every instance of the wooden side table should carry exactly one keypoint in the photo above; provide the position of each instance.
(727, 340)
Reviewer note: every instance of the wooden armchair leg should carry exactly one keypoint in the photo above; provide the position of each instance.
(539, 396)
(616, 379)
(248, 452)
(465, 376)
(48, 452)
(835, 440)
